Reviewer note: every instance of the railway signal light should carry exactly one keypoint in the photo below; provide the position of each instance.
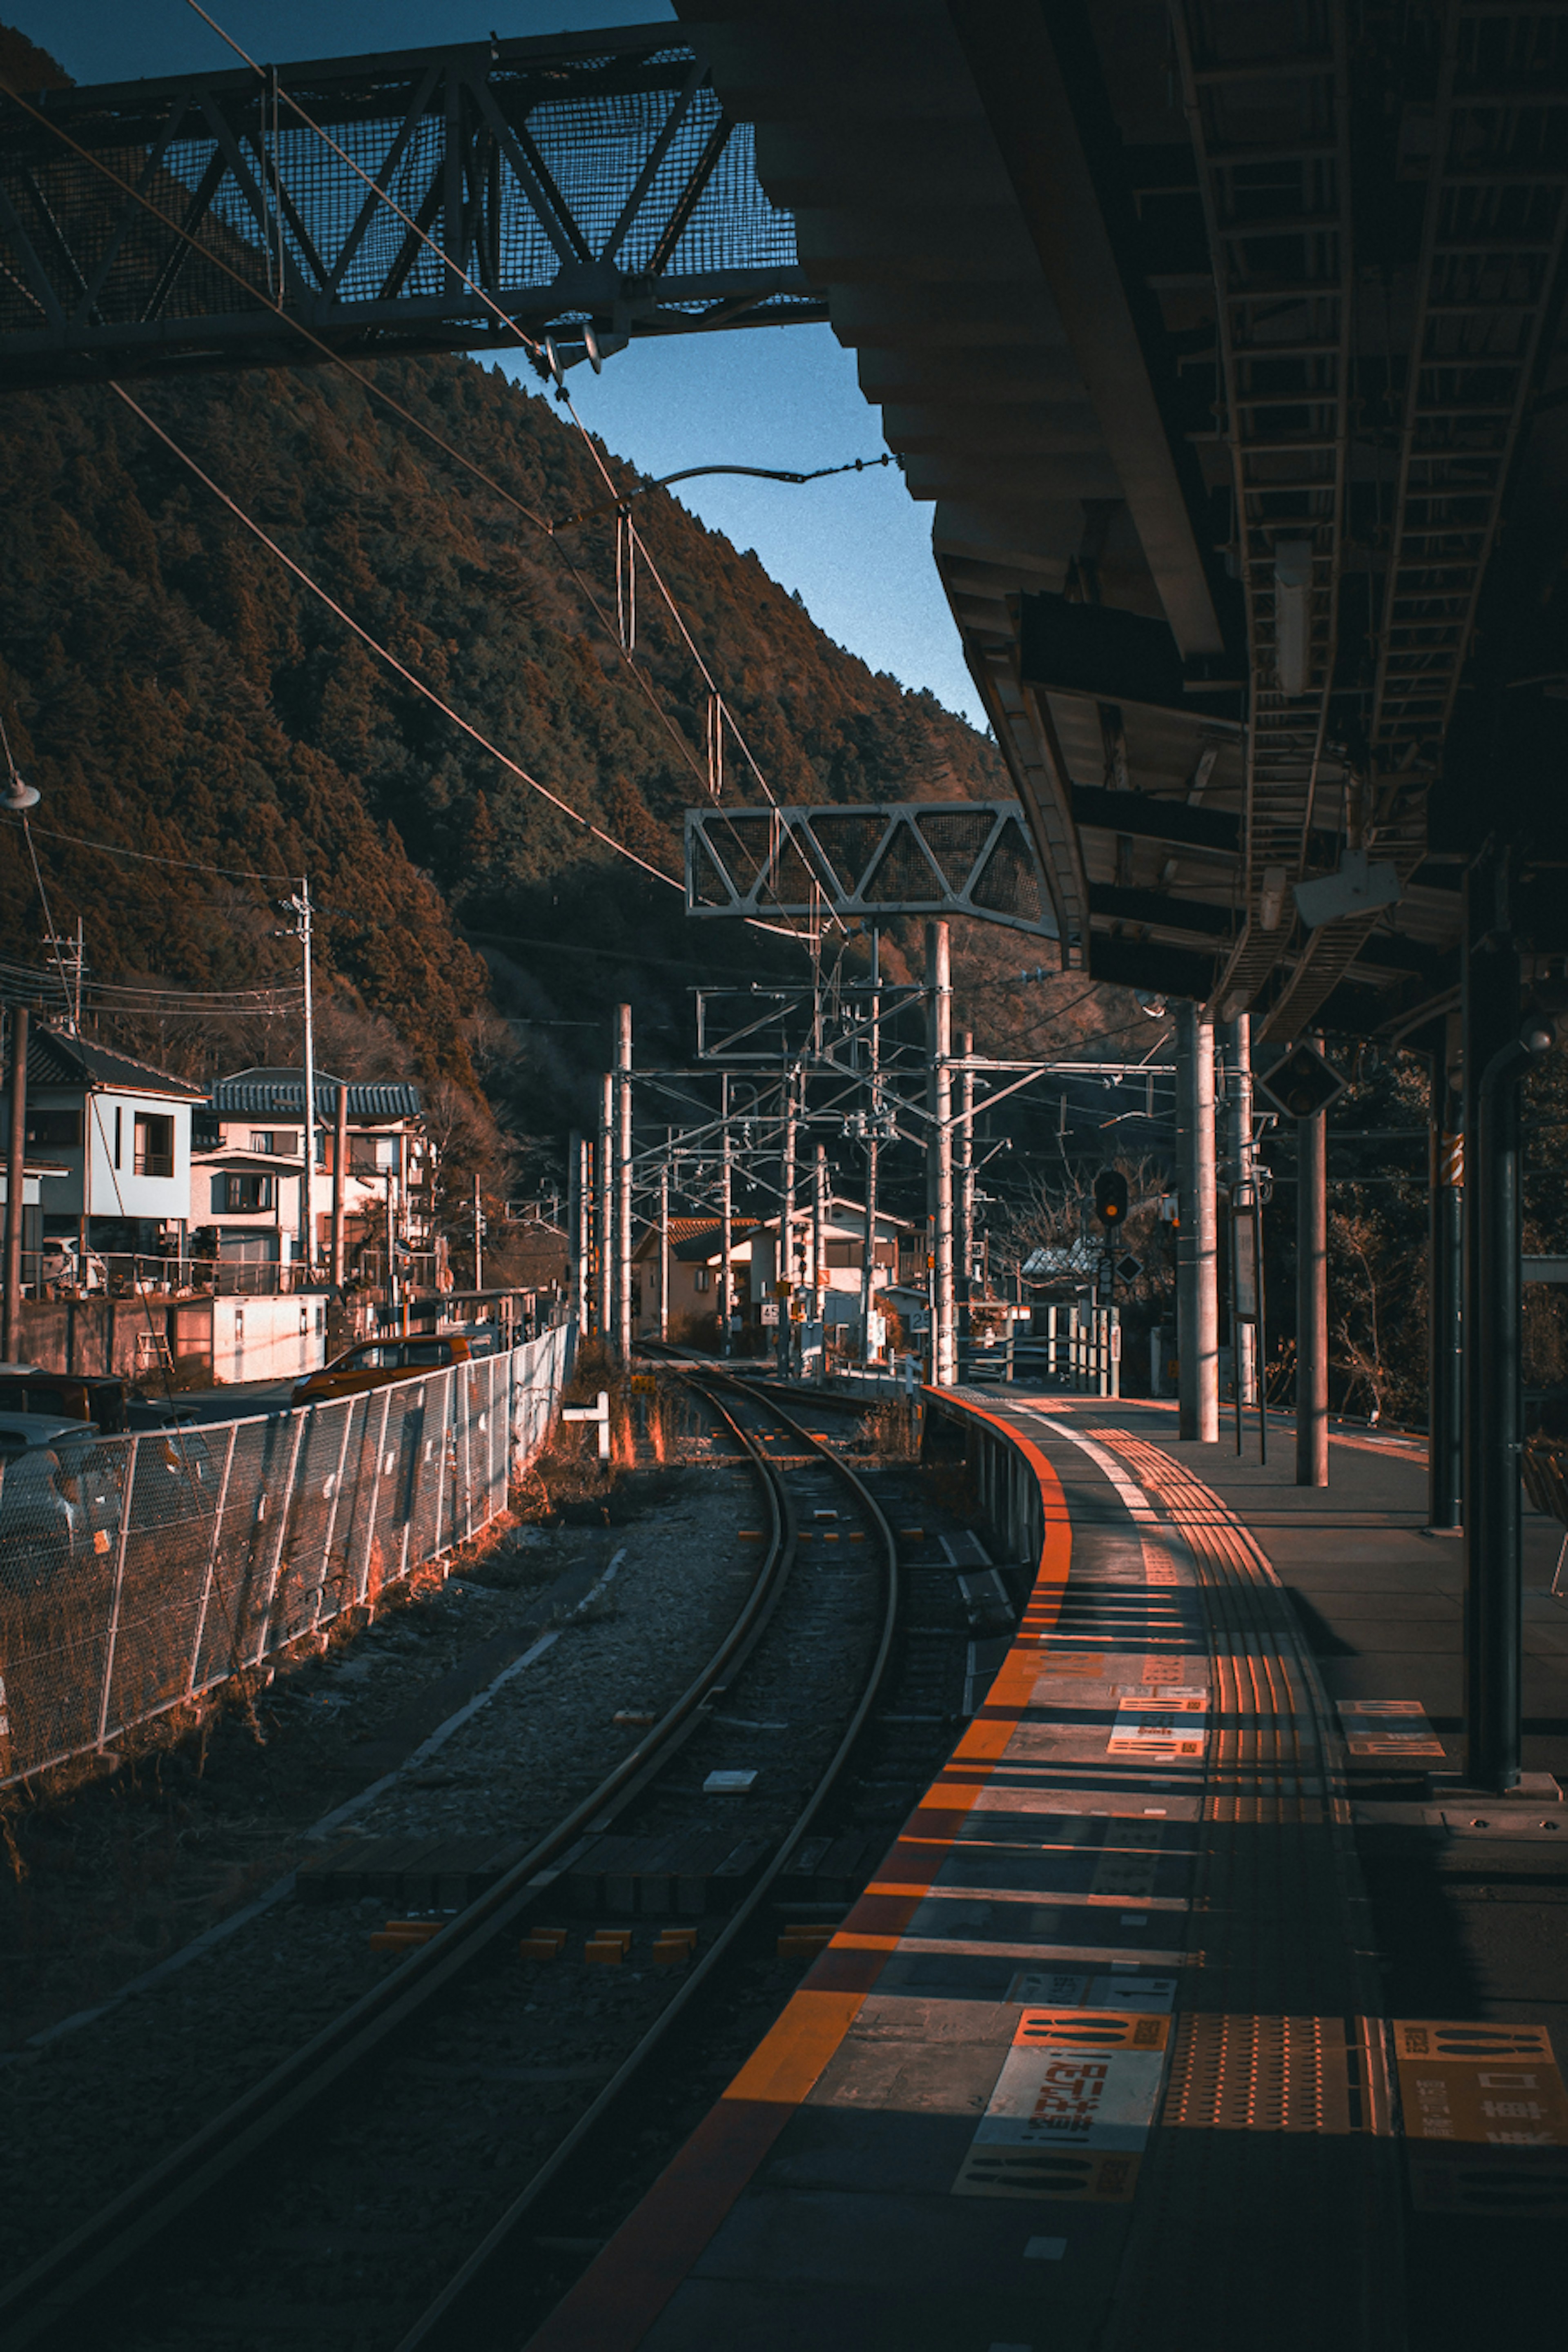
(1110, 1197)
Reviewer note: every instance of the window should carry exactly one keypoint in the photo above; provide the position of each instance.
(119, 1129)
(370, 1155)
(155, 1144)
(278, 1142)
(206, 1132)
(54, 1130)
(701, 1279)
(884, 1253)
(842, 1253)
(243, 1196)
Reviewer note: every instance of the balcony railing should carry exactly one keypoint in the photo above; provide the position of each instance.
(154, 1163)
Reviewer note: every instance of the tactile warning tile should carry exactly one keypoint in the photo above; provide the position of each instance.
(1261, 2074)
(1274, 2142)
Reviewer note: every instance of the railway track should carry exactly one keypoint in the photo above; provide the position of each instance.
(809, 1636)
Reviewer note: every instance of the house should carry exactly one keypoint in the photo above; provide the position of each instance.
(115, 1134)
(247, 1171)
(696, 1264)
(696, 1261)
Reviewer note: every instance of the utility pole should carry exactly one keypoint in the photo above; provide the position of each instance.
(606, 1204)
(624, 1181)
(818, 1258)
(479, 1240)
(16, 1185)
(786, 1226)
(965, 1184)
(340, 1187)
(868, 1254)
(1197, 1302)
(939, 1162)
(574, 1172)
(726, 1220)
(299, 906)
(70, 962)
(1313, 1300)
(585, 1237)
(664, 1237)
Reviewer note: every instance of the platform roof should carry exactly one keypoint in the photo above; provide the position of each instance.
(1136, 290)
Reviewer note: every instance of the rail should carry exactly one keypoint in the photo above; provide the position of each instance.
(444, 2326)
(35, 2305)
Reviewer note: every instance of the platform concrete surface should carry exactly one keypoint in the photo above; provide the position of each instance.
(1468, 1899)
(1380, 1599)
(1169, 2018)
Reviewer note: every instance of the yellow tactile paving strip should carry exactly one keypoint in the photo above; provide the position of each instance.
(1268, 2208)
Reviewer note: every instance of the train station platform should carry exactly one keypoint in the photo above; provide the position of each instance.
(1198, 2003)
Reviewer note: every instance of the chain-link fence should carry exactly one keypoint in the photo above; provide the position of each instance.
(138, 1571)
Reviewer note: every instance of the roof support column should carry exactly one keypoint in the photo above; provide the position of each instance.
(1444, 1421)
(1495, 1060)
(1197, 1297)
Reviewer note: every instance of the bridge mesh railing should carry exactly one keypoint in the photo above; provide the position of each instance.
(258, 209)
(137, 1573)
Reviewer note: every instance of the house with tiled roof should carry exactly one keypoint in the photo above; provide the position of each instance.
(112, 1135)
(248, 1170)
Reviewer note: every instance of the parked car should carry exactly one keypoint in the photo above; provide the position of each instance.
(375, 1362)
(98, 1397)
(53, 1510)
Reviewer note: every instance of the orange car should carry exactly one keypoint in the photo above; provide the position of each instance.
(375, 1362)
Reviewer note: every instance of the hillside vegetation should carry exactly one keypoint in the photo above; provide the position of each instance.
(172, 689)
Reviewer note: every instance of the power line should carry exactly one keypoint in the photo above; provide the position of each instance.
(439, 440)
(151, 857)
(383, 653)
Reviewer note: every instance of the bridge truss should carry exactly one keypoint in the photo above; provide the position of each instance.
(556, 184)
(870, 861)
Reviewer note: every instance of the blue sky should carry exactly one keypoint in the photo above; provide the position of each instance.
(858, 548)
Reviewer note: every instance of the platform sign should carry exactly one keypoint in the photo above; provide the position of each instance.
(1486, 2116)
(1387, 1726)
(1170, 1725)
(1072, 2107)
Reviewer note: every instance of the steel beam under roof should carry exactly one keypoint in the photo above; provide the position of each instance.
(1155, 389)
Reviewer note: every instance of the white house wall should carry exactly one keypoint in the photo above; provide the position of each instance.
(120, 1192)
(269, 1339)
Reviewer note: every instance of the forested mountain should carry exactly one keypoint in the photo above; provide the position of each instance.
(172, 688)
